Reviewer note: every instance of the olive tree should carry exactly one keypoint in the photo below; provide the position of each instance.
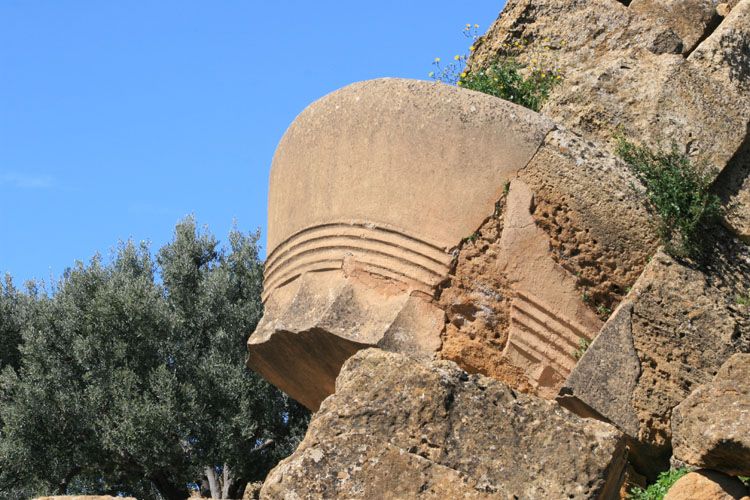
(130, 376)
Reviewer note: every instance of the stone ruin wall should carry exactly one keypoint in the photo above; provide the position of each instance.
(374, 246)
(413, 230)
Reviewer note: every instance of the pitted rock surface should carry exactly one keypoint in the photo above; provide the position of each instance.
(396, 428)
(397, 177)
(659, 72)
(707, 485)
(683, 324)
(711, 427)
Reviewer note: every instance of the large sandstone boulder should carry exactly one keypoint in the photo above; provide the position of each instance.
(400, 181)
(372, 187)
(711, 427)
(396, 428)
(657, 71)
(707, 485)
(673, 332)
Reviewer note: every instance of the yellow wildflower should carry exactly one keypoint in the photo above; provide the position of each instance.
(463, 75)
(476, 26)
(437, 59)
(457, 57)
(472, 48)
(459, 83)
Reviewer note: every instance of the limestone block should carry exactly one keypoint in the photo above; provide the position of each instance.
(601, 385)
(711, 427)
(690, 19)
(707, 485)
(548, 319)
(676, 328)
(734, 187)
(397, 428)
(372, 188)
(637, 70)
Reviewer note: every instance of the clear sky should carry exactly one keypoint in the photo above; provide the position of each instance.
(117, 119)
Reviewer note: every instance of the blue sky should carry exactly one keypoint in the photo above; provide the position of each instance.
(117, 119)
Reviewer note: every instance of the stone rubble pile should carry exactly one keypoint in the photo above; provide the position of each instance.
(532, 339)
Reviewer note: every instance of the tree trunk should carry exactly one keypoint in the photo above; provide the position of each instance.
(62, 486)
(226, 482)
(213, 484)
(167, 489)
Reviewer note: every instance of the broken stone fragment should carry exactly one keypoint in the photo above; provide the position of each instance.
(602, 384)
(548, 319)
(372, 187)
(398, 428)
(658, 72)
(711, 427)
(673, 332)
(690, 19)
(707, 485)
(397, 179)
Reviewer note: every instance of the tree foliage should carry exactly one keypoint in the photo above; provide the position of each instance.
(129, 377)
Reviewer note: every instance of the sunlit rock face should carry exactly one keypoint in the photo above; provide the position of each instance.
(379, 201)
(372, 188)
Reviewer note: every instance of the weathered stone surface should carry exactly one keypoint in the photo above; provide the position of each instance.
(689, 19)
(323, 318)
(711, 427)
(252, 491)
(548, 319)
(522, 297)
(378, 254)
(396, 428)
(602, 384)
(392, 174)
(723, 9)
(733, 185)
(637, 70)
(595, 214)
(707, 485)
(685, 323)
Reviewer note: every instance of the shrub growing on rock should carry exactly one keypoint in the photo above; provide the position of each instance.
(657, 490)
(679, 190)
(528, 85)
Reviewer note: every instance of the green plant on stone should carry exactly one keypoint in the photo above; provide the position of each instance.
(742, 300)
(499, 206)
(583, 345)
(471, 238)
(504, 79)
(679, 190)
(603, 310)
(526, 84)
(657, 490)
